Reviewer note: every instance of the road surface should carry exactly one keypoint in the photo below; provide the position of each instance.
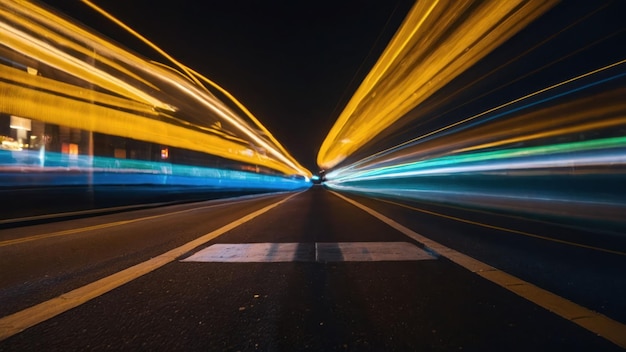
(312, 270)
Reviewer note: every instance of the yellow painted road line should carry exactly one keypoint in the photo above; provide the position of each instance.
(97, 227)
(73, 231)
(80, 212)
(523, 233)
(22, 320)
(597, 323)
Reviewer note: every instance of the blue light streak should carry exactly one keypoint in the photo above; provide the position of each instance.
(28, 168)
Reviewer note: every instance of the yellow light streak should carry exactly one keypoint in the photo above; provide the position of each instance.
(54, 57)
(290, 160)
(140, 88)
(595, 113)
(614, 101)
(61, 110)
(139, 36)
(281, 153)
(17, 76)
(50, 21)
(437, 41)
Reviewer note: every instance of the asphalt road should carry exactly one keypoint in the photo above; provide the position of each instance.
(313, 272)
(28, 205)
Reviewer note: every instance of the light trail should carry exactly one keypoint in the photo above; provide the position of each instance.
(81, 81)
(281, 153)
(547, 138)
(84, 115)
(436, 42)
(568, 155)
(31, 168)
(514, 127)
(46, 53)
(570, 113)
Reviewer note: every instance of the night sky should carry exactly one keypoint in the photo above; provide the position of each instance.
(294, 64)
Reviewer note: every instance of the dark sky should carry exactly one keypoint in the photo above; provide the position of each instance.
(294, 64)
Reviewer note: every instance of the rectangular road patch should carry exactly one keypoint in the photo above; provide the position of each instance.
(369, 252)
(308, 252)
(255, 252)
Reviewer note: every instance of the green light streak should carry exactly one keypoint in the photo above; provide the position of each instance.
(491, 156)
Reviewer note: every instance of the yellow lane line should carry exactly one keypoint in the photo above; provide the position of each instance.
(22, 320)
(83, 212)
(597, 323)
(523, 233)
(72, 231)
(95, 227)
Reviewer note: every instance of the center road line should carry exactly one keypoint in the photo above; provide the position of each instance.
(24, 319)
(597, 323)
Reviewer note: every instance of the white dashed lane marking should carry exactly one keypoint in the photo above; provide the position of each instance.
(308, 252)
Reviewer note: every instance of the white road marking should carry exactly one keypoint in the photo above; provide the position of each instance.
(307, 252)
(597, 323)
(254, 252)
(369, 252)
(24, 319)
